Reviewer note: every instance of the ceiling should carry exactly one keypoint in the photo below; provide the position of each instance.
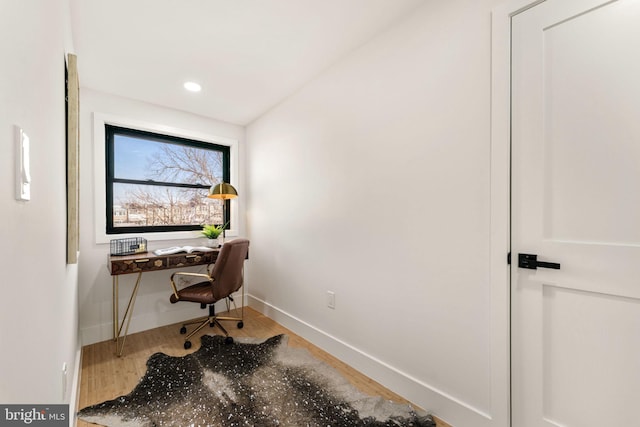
(248, 55)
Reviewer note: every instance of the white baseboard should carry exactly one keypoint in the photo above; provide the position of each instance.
(437, 402)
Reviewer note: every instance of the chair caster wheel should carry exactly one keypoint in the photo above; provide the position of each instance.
(187, 345)
(228, 340)
(240, 325)
(183, 330)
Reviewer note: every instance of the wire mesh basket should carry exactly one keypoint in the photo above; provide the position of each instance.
(128, 246)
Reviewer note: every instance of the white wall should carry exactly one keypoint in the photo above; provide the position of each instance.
(38, 308)
(152, 308)
(373, 182)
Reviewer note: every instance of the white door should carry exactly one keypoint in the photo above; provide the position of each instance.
(576, 202)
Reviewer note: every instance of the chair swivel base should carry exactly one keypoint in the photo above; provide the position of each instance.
(212, 321)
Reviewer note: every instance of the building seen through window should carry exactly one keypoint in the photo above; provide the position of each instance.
(160, 183)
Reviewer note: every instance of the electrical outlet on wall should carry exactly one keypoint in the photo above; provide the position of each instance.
(331, 299)
(64, 380)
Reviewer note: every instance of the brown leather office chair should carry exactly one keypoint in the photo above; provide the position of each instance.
(225, 278)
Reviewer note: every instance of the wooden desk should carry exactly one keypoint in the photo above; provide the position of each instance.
(139, 263)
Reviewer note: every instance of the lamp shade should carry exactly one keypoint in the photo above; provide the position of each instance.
(222, 191)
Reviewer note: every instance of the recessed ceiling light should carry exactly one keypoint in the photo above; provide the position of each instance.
(192, 87)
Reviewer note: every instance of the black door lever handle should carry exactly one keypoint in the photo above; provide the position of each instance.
(531, 262)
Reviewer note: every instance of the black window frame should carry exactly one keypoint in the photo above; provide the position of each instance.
(111, 131)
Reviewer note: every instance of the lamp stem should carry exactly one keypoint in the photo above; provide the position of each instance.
(224, 219)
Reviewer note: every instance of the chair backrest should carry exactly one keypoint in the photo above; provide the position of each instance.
(228, 268)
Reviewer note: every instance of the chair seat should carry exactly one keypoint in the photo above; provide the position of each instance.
(200, 292)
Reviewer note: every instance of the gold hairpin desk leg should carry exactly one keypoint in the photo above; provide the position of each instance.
(117, 327)
(114, 308)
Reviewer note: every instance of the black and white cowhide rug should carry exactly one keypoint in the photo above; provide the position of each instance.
(248, 383)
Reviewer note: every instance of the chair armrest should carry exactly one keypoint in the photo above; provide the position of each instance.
(184, 273)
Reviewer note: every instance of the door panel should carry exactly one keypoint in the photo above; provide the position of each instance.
(576, 201)
(590, 77)
(581, 330)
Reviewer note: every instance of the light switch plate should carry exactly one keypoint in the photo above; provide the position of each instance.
(23, 172)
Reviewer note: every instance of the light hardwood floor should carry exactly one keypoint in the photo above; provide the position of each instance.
(105, 376)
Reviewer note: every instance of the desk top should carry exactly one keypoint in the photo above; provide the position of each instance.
(148, 261)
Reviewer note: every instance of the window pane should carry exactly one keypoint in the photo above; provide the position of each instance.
(158, 183)
(146, 159)
(136, 205)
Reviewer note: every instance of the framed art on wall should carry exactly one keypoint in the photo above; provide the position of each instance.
(72, 102)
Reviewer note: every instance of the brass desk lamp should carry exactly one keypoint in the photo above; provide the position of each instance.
(223, 192)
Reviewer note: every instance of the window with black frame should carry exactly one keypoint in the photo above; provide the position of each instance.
(160, 183)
